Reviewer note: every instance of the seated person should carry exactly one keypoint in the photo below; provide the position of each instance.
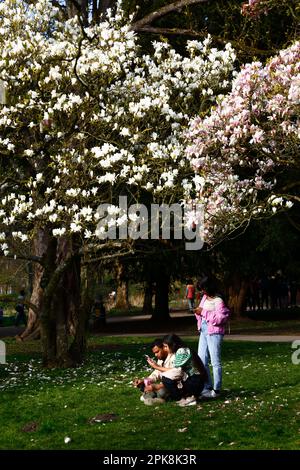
(185, 380)
(152, 386)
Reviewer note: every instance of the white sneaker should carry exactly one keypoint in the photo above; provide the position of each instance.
(182, 400)
(189, 401)
(153, 401)
(210, 394)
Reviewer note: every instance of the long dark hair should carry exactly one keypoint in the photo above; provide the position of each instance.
(175, 342)
(211, 287)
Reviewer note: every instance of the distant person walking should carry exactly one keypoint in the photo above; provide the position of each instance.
(190, 294)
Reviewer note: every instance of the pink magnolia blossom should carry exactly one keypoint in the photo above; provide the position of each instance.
(251, 133)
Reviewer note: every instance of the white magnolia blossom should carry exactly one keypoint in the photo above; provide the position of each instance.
(87, 115)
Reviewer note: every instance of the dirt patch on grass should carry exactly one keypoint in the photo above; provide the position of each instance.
(30, 427)
(103, 418)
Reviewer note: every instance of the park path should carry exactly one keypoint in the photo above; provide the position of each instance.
(182, 324)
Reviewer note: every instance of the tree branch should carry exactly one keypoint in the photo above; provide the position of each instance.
(35, 259)
(107, 257)
(148, 19)
(203, 34)
(183, 32)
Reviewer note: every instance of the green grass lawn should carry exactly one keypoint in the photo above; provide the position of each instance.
(260, 408)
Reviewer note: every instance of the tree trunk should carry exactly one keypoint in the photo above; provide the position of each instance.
(61, 325)
(148, 294)
(80, 306)
(237, 297)
(161, 309)
(122, 297)
(32, 330)
(47, 314)
(61, 313)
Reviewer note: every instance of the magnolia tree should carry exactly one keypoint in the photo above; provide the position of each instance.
(247, 149)
(86, 117)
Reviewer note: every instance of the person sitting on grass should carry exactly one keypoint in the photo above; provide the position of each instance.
(185, 381)
(152, 386)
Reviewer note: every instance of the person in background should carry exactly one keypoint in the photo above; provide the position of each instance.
(20, 309)
(212, 315)
(1, 315)
(190, 294)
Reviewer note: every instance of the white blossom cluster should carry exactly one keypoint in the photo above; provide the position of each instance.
(88, 116)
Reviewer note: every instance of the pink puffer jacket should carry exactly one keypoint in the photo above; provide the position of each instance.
(216, 319)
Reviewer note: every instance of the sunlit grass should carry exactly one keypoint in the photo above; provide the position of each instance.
(260, 408)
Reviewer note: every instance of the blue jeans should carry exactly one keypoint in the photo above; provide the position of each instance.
(210, 348)
(191, 304)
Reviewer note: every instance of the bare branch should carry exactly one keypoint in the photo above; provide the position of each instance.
(293, 196)
(35, 259)
(167, 31)
(148, 19)
(203, 34)
(108, 257)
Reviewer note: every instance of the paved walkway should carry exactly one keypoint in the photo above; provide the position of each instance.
(264, 338)
(183, 324)
(10, 331)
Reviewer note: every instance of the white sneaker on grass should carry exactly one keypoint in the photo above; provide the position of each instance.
(189, 401)
(153, 401)
(182, 400)
(210, 394)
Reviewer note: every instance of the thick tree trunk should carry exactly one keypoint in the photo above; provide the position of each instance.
(61, 314)
(59, 306)
(80, 306)
(161, 309)
(32, 330)
(47, 315)
(237, 297)
(122, 296)
(148, 294)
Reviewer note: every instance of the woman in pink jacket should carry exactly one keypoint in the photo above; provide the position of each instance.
(212, 314)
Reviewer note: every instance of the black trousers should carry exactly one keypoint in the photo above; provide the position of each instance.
(193, 385)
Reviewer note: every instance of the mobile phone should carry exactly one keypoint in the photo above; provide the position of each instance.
(147, 357)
